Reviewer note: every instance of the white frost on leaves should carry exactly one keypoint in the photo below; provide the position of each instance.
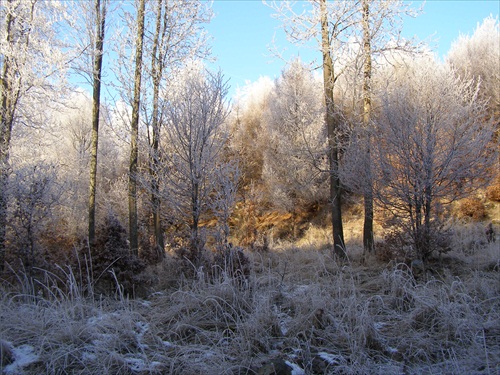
(141, 365)
(103, 317)
(24, 355)
(296, 291)
(168, 344)
(142, 328)
(88, 356)
(283, 320)
(145, 303)
(296, 369)
(392, 350)
(332, 359)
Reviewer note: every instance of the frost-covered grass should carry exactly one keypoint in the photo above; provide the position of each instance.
(299, 308)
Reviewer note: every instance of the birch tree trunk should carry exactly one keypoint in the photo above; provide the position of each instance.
(157, 73)
(100, 12)
(332, 132)
(134, 134)
(368, 241)
(6, 120)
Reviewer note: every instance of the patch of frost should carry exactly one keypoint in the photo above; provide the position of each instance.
(296, 370)
(142, 328)
(392, 350)
(296, 291)
(332, 359)
(88, 356)
(136, 364)
(168, 344)
(284, 320)
(141, 365)
(24, 355)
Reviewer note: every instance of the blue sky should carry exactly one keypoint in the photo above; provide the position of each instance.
(242, 31)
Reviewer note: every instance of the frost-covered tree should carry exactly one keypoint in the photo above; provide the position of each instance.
(97, 42)
(134, 130)
(330, 25)
(174, 37)
(195, 138)
(294, 156)
(478, 57)
(70, 145)
(35, 192)
(31, 65)
(433, 147)
(248, 131)
(378, 34)
(90, 27)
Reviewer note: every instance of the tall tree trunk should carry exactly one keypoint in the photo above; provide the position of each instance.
(9, 96)
(368, 241)
(100, 12)
(134, 134)
(332, 131)
(157, 72)
(196, 247)
(6, 120)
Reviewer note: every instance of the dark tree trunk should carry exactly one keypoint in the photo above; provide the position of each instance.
(9, 98)
(134, 134)
(368, 241)
(332, 131)
(100, 11)
(157, 72)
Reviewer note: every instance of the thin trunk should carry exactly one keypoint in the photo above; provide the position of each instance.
(100, 12)
(195, 212)
(368, 241)
(332, 130)
(6, 122)
(134, 134)
(157, 71)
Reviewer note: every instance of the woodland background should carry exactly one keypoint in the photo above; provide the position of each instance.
(339, 219)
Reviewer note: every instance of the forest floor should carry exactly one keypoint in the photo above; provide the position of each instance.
(298, 312)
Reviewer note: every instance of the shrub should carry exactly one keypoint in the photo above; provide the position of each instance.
(401, 246)
(110, 258)
(472, 208)
(493, 191)
(393, 247)
(232, 262)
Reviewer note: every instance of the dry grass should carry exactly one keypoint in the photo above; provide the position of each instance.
(298, 306)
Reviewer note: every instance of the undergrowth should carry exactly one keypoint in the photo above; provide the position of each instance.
(297, 305)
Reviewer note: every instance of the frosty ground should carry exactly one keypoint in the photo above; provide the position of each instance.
(299, 312)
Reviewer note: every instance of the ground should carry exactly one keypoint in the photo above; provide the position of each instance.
(298, 312)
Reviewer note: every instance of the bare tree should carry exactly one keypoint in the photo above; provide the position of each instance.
(176, 37)
(30, 64)
(195, 138)
(293, 160)
(381, 27)
(368, 240)
(90, 30)
(478, 56)
(35, 192)
(223, 198)
(248, 134)
(330, 25)
(329, 32)
(433, 147)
